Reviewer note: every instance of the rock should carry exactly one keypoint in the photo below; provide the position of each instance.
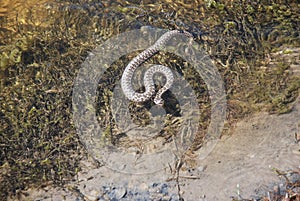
(201, 168)
(120, 192)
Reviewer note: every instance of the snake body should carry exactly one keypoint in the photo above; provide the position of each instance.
(126, 79)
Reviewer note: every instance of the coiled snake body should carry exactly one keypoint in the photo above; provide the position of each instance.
(129, 92)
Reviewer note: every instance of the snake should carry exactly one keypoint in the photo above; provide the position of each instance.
(126, 79)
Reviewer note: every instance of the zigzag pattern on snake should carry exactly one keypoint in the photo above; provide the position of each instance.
(126, 79)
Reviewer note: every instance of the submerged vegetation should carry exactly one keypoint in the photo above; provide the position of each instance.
(253, 44)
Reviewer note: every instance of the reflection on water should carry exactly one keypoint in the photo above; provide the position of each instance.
(10, 8)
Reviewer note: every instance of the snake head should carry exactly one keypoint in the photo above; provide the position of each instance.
(159, 101)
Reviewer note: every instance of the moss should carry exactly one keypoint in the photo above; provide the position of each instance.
(287, 51)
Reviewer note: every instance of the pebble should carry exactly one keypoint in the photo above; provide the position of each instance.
(120, 192)
(154, 191)
(201, 168)
(93, 195)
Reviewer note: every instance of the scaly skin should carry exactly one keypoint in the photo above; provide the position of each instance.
(148, 77)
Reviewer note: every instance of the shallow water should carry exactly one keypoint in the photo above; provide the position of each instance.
(249, 157)
(44, 44)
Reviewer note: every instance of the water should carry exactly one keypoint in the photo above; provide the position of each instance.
(44, 43)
